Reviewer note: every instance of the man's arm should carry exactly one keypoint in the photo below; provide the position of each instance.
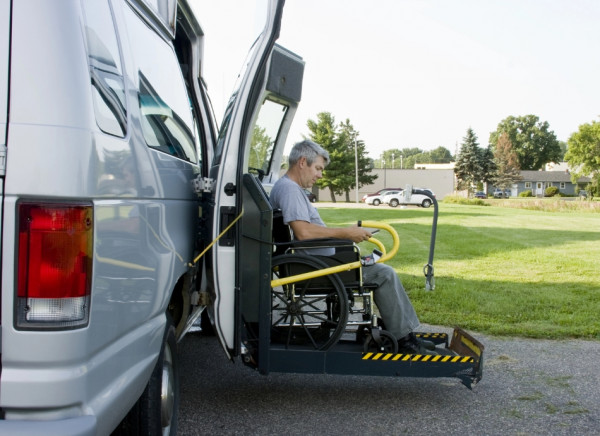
(305, 230)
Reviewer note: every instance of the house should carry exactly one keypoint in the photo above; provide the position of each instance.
(538, 181)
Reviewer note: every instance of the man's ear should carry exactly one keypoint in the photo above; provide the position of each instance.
(302, 162)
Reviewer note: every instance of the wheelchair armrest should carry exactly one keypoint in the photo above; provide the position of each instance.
(321, 242)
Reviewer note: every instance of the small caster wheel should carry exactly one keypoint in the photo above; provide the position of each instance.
(380, 341)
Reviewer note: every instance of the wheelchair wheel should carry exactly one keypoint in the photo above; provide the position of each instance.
(386, 343)
(311, 312)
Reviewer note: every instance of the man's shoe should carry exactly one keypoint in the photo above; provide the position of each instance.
(423, 342)
(410, 344)
(408, 347)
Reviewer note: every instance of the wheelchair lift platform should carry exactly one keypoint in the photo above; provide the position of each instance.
(462, 358)
(286, 297)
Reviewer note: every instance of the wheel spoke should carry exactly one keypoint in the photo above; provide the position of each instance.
(312, 311)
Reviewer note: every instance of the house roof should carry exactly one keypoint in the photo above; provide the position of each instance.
(550, 176)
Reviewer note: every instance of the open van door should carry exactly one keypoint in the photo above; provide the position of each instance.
(251, 141)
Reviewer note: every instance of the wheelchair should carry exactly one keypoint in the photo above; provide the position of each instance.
(318, 300)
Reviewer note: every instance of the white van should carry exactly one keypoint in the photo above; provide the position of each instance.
(106, 145)
(125, 217)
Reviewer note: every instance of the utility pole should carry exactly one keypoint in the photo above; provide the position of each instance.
(356, 165)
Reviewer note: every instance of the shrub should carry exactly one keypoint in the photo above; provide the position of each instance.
(457, 199)
(551, 191)
(526, 193)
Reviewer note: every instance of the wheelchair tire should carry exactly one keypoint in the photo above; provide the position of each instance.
(312, 312)
(386, 343)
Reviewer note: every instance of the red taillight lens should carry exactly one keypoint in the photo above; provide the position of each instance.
(54, 264)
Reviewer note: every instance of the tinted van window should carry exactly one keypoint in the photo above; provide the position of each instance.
(105, 68)
(167, 122)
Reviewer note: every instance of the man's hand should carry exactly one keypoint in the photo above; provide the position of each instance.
(357, 234)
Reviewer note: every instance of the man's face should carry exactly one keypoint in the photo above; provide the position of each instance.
(311, 173)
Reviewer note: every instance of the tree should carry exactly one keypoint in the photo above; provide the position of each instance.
(357, 150)
(260, 148)
(583, 154)
(488, 166)
(472, 163)
(338, 140)
(532, 141)
(396, 158)
(323, 132)
(408, 157)
(507, 164)
(440, 155)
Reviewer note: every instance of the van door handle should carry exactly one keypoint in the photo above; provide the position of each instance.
(229, 189)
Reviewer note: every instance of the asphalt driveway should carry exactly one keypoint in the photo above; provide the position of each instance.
(529, 387)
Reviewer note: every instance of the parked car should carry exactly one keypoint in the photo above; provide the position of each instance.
(499, 193)
(480, 194)
(311, 197)
(376, 200)
(381, 192)
(397, 197)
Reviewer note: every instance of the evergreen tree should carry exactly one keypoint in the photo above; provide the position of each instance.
(469, 167)
(488, 166)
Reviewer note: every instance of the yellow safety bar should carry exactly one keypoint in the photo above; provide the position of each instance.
(231, 224)
(352, 265)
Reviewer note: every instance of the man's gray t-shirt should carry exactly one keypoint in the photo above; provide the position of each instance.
(288, 196)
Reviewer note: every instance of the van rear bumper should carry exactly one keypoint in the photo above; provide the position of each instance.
(79, 426)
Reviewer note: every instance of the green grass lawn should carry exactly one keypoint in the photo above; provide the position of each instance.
(498, 270)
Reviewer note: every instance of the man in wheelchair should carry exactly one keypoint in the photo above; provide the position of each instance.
(307, 160)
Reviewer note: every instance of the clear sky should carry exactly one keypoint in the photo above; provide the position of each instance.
(419, 73)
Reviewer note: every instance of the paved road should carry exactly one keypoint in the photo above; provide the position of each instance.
(529, 387)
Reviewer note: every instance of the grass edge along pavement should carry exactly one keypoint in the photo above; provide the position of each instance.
(498, 270)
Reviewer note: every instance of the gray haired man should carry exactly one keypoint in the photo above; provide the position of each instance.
(307, 160)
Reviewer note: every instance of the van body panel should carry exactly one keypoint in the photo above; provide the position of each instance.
(4, 61)
(40, 83)
(145, 211)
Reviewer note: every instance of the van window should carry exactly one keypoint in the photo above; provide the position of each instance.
(108, 91)
(165, 109)
(163, 129)
(264, 136)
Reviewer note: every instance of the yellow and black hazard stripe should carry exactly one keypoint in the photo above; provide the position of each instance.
(440, 336)
(418, 358)
(471, 345)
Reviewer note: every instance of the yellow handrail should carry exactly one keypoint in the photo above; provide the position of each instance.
(348, 266)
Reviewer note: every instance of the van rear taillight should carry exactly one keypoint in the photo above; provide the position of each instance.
(54, 264)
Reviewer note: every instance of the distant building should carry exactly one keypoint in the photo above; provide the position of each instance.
(434, 166)
(556, 174)
(440, 181)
